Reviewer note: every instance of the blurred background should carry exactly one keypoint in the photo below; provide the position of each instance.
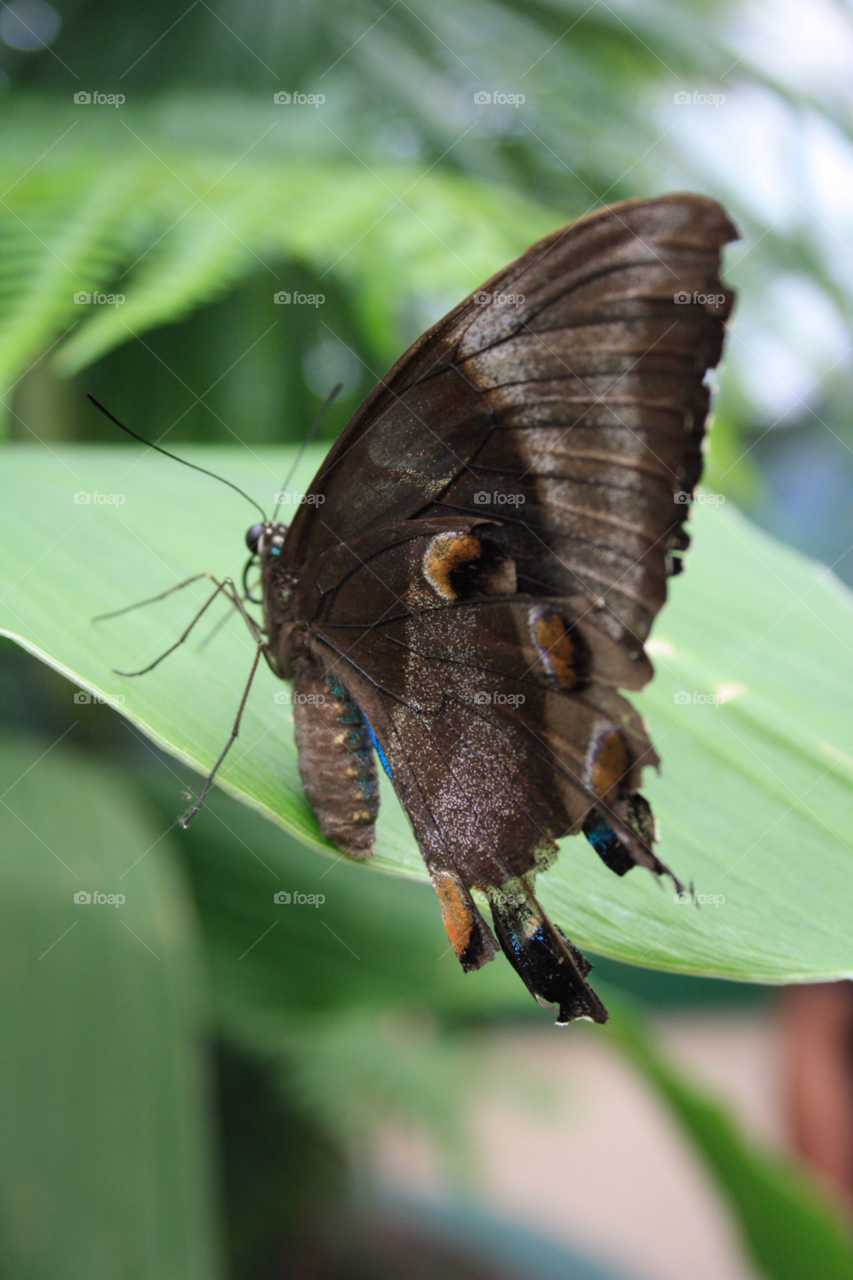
(333, 1099)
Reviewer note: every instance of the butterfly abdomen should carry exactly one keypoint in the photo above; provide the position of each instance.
(336, 760)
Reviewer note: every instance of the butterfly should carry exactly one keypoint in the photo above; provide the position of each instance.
(471, 577)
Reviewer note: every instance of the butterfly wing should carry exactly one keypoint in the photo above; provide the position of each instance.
(496, 527)
(497, 716)
(581, 332)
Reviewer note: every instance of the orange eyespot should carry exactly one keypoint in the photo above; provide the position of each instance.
(446, 552)
(609, 762)
(556, 646)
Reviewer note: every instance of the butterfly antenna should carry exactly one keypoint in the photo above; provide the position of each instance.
(174, 456)
(309, 436)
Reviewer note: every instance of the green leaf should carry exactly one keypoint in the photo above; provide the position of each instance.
(105, 1155)
(788, 1224)
(365, 942)
(755, 794)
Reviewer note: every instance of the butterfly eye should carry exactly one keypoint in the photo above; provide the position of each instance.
(253, 537)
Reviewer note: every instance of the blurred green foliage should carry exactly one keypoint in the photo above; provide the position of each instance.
(789, 1227)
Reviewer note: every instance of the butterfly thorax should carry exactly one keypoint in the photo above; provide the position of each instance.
(278, 589)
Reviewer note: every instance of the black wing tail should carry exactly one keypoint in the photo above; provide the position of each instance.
(553, 970)
(623, 836)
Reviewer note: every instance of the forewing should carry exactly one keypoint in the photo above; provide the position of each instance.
(571, 404)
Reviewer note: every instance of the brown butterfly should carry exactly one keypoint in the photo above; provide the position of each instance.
(480, 559)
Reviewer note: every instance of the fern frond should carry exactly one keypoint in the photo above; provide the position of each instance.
(170, 230)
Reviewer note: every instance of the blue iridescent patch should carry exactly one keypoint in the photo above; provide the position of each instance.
(373, 738)
(600, 835)
(335, 686)
(275, 551)
(607, 844)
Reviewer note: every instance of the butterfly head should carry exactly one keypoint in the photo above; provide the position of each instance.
(266, 539)
(265, 542)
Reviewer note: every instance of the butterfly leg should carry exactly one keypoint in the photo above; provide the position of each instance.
(225, 587)
(140, 604)
(187, 817)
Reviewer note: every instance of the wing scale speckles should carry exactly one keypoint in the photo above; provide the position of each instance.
(481, 559)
